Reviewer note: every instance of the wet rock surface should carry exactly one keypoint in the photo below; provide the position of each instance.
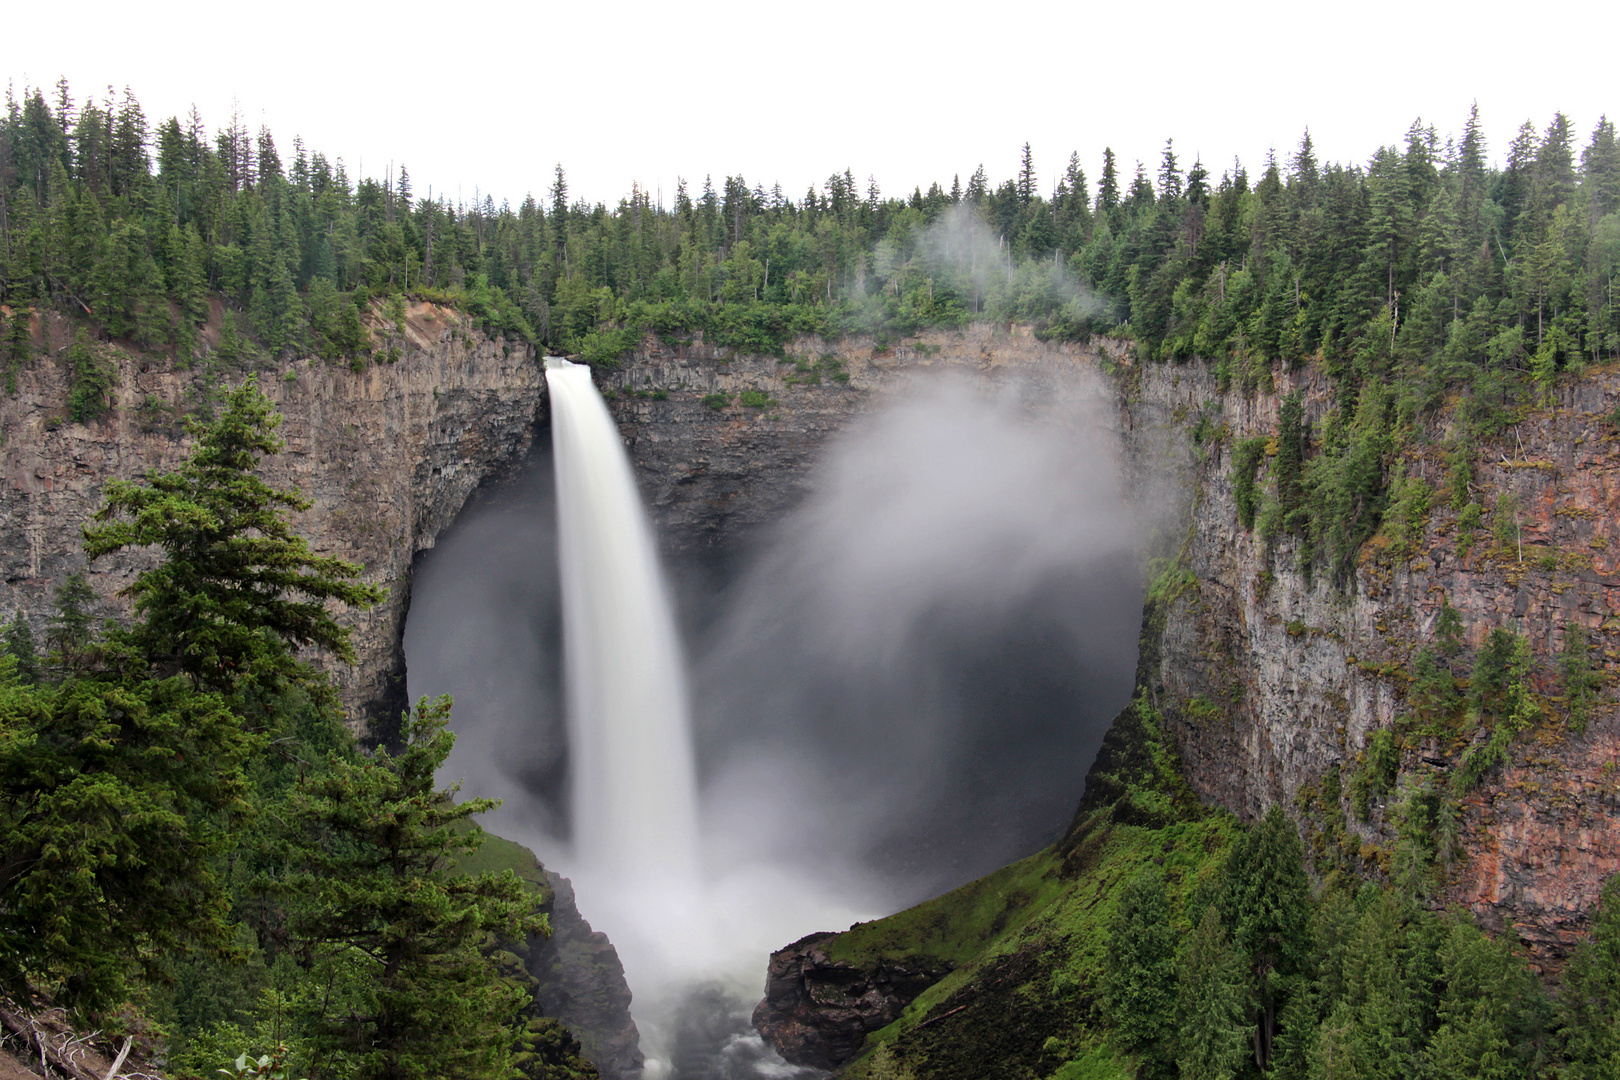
(818, 1011)
(581, 982)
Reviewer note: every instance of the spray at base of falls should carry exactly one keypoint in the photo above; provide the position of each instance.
(637, 851)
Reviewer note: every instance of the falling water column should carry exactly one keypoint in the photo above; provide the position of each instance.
(634, 793)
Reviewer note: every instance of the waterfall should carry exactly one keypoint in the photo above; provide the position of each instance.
(634, 798)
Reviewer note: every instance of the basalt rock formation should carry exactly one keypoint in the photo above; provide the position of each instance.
(712, 466)
(1273, 686)
(387, 454)
(581, 982)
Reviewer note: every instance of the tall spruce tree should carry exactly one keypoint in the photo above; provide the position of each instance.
(388, 929)
(1266, 900)
(1139, 976)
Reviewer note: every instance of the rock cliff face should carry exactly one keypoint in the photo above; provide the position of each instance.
(1273, 687)
(712, 473)
(581, 983)
(388, 455)
(1269, 686)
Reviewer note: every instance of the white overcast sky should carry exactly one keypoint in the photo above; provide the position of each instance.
(490, 97)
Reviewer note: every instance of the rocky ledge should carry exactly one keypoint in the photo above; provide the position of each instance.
(818, 1011)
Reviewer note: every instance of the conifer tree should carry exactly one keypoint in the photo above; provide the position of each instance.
(1591, 993)
(1266, 900)
(1139, 975)
(386, 926)
(1211, 1025)
(238, 591)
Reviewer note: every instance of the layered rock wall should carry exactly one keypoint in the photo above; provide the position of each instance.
(1272, 683)
(713, 473)
(387, 454)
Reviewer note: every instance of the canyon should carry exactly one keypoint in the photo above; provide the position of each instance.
(1269, 683)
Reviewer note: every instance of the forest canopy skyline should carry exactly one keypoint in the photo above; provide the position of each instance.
(1049, 166)
(490, 101)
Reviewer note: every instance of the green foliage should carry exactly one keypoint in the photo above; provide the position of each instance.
(17, 641)
(1505, 526)
(756, 399)
(271, 1066)
(1590, 1022)
(883, 1065)
(1409, 500)
(238, 591)
(1582, 678)
(1425, 819)
(1246, 459)
(1266, 900)
(716, 401)
(1468, 521)
(547, 1051)
(114, 797)
(1344, 483)
(69, 633)
(16, 345)
(1380, 762)
(1212, 1025)
(1503, 702)
(392, 934)
(1433, 694)
(92, 380)
(606, 348)
(1139, 973)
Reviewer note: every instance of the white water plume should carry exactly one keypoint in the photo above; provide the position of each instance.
(637, 860)
(634, 793)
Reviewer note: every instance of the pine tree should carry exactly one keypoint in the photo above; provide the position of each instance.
(19, 645)
(70, 632)
(1488, 1028)
(1026, 175)
(1139, 974)
(238, 592)
(1108, 184)
(1591, 991)
(116, 794)
(1581, 677)
(1211, 1027)
(388, 928)
(1266, 900)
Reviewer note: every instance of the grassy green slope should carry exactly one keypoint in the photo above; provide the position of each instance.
(1029, 941)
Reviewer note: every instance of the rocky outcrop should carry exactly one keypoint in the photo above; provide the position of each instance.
(388, 454)
(581, 982)
(818, 1011)
(1270, 684)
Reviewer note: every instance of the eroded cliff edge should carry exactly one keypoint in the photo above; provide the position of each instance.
(1272, 687)
(387, 454)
